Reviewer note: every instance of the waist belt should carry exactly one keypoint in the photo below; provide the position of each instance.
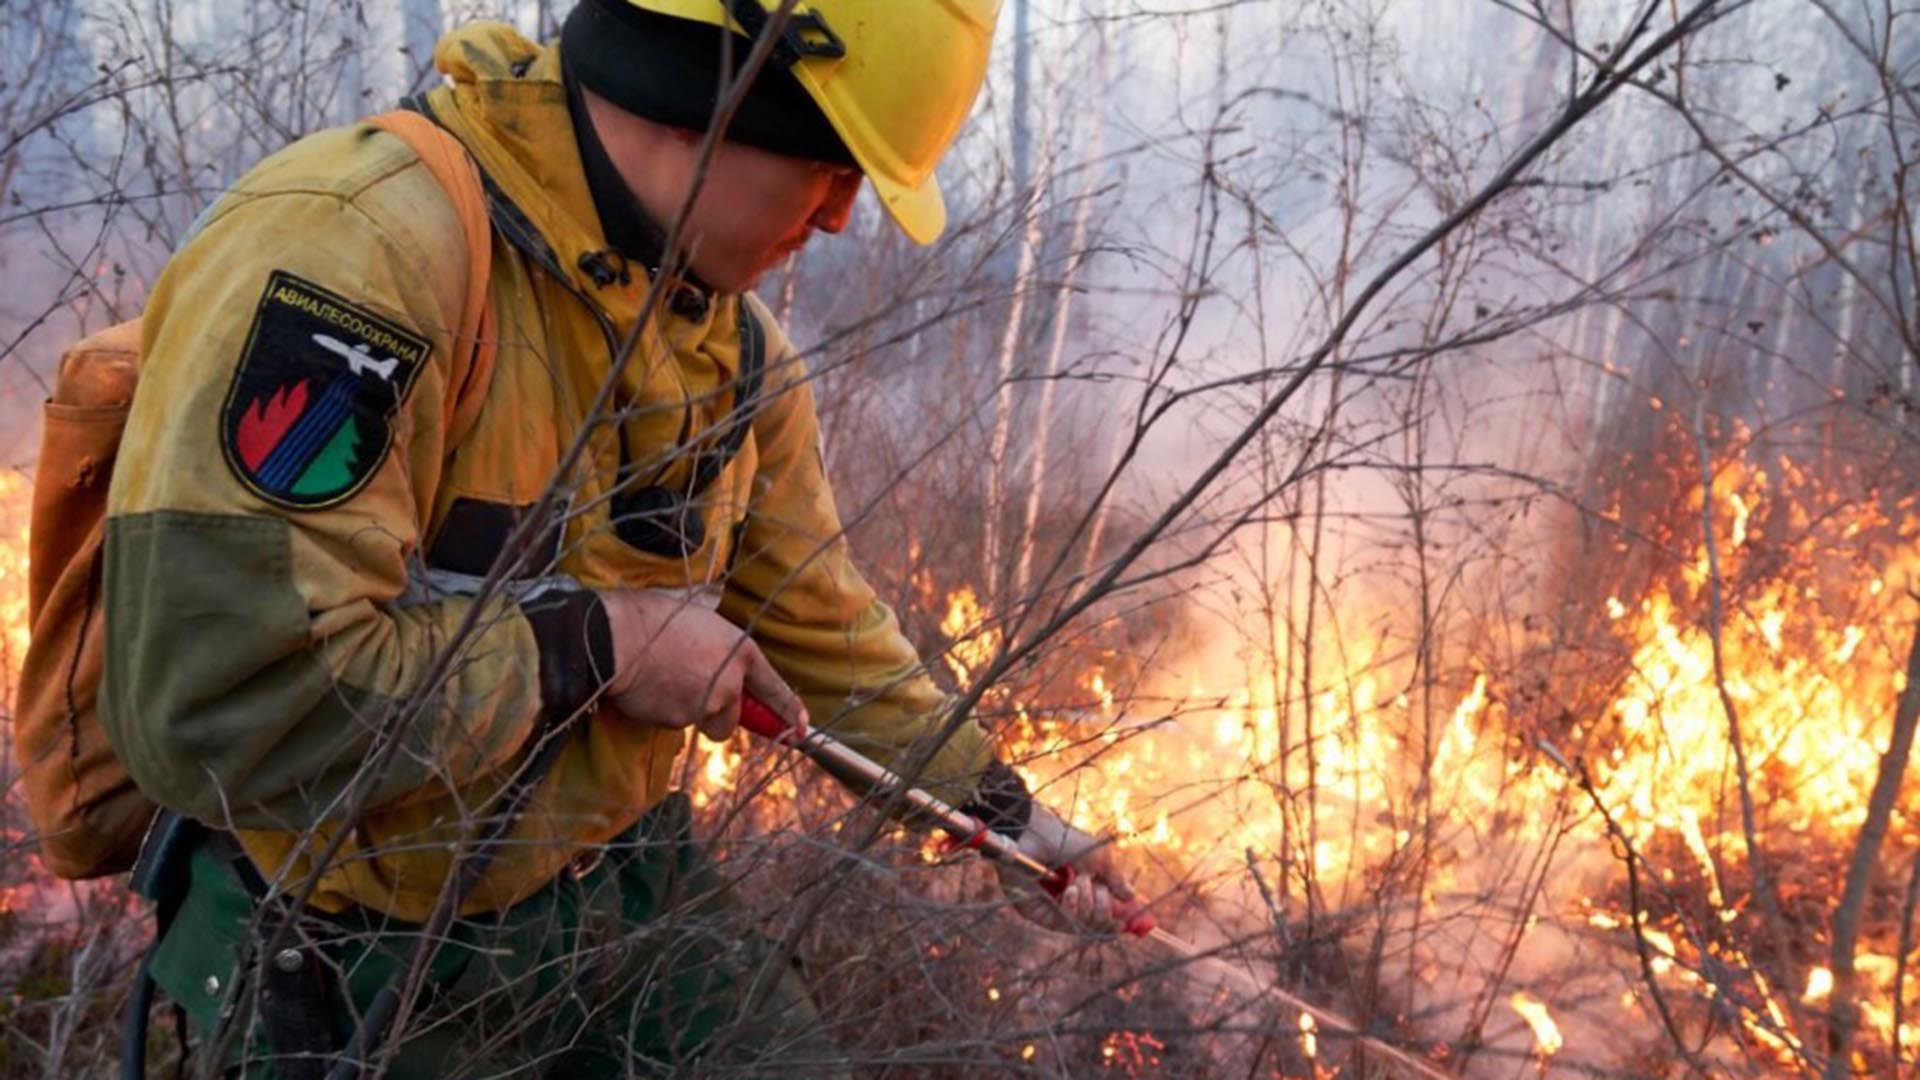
(295, 1002)
(296, 997)
(296, 994)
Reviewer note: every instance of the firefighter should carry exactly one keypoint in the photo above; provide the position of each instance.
(295, 532)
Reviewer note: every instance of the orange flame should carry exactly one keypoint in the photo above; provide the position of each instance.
(1546, 1033)
(974, 644)
(1207, 781)
(14, 492)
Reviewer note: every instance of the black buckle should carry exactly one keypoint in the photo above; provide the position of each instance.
(806, 33)
(658, 520)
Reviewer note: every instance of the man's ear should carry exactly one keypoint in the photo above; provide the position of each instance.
(687, 137)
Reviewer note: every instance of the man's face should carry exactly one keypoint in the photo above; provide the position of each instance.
(757, 207)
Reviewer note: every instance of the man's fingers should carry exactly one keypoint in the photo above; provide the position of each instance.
(772, 691)
(1103, 865)
(1097, 860)
(1078, 900)
(721, 718)
(1102, 913)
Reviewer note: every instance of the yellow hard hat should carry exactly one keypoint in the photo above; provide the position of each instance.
(895, 78)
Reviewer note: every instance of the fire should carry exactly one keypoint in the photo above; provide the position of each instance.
(1206, 779)
(717, 766)
(14, 489)
(1546, 1033)
(1809, 666)
(24, 885)
(1132, 1052)
(1808, 660)
(1673, 755)
(974, 643)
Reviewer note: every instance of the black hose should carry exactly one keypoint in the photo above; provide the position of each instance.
(133, 1023)
(373, 1027)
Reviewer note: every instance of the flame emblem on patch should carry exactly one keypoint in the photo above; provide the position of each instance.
(263, 425)
(308, 418)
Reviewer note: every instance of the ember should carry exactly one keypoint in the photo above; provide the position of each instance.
(1546, 1033)
(1132, 1052)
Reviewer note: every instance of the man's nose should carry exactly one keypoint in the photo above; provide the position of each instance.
(837, 208)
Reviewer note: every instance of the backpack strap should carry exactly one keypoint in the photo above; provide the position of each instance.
(454, 168)
(662, 520)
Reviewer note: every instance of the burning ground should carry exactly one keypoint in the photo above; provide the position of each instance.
(1618, 822)
(1545, 865)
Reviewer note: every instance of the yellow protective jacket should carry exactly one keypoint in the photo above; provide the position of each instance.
(288, 527)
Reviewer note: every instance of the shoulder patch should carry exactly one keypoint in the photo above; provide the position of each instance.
(309, 415)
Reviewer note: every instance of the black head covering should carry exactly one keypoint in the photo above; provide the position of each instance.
(671, 71)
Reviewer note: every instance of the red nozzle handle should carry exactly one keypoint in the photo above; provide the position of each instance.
(1132, 915)
(756, 717)
(1134, 918)
(1056, 882)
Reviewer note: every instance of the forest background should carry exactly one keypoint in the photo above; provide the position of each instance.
(1434, 480)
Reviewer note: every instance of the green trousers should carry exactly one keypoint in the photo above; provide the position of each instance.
(640, 967)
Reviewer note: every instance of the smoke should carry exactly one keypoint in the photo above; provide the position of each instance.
(1328, 727)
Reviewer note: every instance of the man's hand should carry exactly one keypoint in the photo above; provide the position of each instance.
(1099, 885)
(679, 665)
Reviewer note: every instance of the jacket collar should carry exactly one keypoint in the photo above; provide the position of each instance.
(508, 103)
(629, 232)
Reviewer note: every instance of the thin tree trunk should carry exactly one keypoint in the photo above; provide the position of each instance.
(1003, 402)
(380, 61)
(1764, 885)
(1062, 310)
(1847, 300)
(1843, 1008)
(425, 22)
(788, 285)
(1022, 97)
(1096, 532)
(1900, 958)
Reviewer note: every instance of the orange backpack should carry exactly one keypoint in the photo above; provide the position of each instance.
(90, 817)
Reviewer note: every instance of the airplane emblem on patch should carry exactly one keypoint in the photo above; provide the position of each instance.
(309, 415)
